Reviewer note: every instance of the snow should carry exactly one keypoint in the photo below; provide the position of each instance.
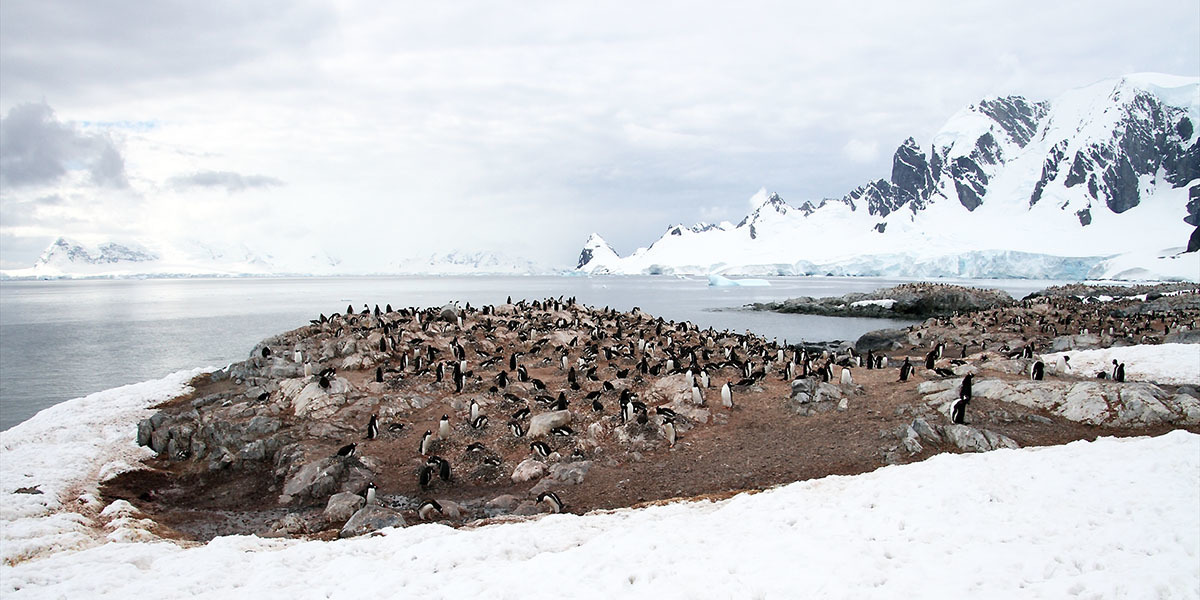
(1110, 518)
(1177, 364)
(64, 451)
(885, 303)
(719, 281)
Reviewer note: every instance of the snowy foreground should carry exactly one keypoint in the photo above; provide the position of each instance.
(1115, 518)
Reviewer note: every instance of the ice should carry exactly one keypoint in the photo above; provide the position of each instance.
(719, 281)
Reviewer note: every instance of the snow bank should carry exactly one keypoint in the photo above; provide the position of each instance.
(885, 303)
(1177, 364)
(1111, 518)
(62, 452)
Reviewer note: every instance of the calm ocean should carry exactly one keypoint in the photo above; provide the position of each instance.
(64, 339)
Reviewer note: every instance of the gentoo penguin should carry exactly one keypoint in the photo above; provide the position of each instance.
(298, 356)
(551, 499)
(516, 429)
(378, 374)
(479, 422)
(373, 427)
(442, 465)
(502, 379)
(371, 493)
(425, 476)
(426, 442)
(474, 410)
(444, 428)
(597, 406)
(1038, 371)
(704, 379)
(266, 352)
(906, 369)
(958, 411)
(540, 448)
(965, 390)
(726, 395)
(308, 369)
(347, 450)
(323, 382)
(1063, 365)
(521, 413)
(931, 359)
(697, 396)
(847, 379)
(669, 431)
(427, 508)
(1119, 373)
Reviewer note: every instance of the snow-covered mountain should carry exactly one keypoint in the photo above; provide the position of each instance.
(1101, 182)
(66, 258)
(472, 263)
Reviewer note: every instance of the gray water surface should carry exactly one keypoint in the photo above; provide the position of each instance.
(65, 339)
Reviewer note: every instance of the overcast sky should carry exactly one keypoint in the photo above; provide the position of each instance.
(389, 129)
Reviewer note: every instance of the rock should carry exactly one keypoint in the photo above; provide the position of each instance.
(967, 438)
(528, 470)
(926, 431)
(451, 509)
(342, 506)
(910, 440)
(290, 524)
(843, 404)
(314, 480)
(541, 424)
(881, 339)
(144, 429)
(504, 503)
(371, 518)
(310, 401)
(939, 385)
(527, 508)
(563, 474)
(1189, 336)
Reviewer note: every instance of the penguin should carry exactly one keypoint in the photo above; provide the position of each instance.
(427, 508)
(378, 374)
(373, 427)
(308, 370)
(474, 411)
(266, 352)
(479, 422)
(1038, 371)
(906, 369)
(516, 429)
(931, 359)
(1063, 365)
(563, 431)
(550, 498)
(371, 493)
(502, 379)
(965, 390)
(727, 395)
(442, 465)
(1119, 377)
(669, 431)
(444, 428)
(540, 448)
(347, 450)
(323, 382)
(958, 411)
(425, 476)
(521, 413)
(697, 396)
(426, 442)
(597, 406)
(847, 379)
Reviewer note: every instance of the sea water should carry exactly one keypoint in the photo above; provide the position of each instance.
(64, 339)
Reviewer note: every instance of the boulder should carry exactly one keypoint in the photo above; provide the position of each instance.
(528, 470)
(504, 503)
(342, 506)
(970, 439)
(541, 424)
(314, 480)
(881, 339)
(371, 518)
(926, 431)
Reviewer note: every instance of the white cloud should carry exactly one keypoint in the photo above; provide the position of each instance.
(432, 125)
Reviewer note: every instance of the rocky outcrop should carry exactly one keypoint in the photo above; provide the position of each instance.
(810, 396)
(909, 300)
(342, 506)
(371, 517)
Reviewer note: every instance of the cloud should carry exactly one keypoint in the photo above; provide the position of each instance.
(232, 182)
(36, 148)
(861, 151)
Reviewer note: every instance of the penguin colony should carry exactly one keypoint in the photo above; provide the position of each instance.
(499, 367)
(450, 394)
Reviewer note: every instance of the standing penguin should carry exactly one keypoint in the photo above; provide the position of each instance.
(1063, 365)
(444, 428)
(1038, 371)
(474, 411)
(931, 359)
(906, 369)
(426, 442)
(378, 374)
(669, 431)
(726, 395)
(1119, 375)
(847, 379)
(373, 427)
(426, 510)
(965, 390)
(697, 396)
(371, 493)
(958, 411)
